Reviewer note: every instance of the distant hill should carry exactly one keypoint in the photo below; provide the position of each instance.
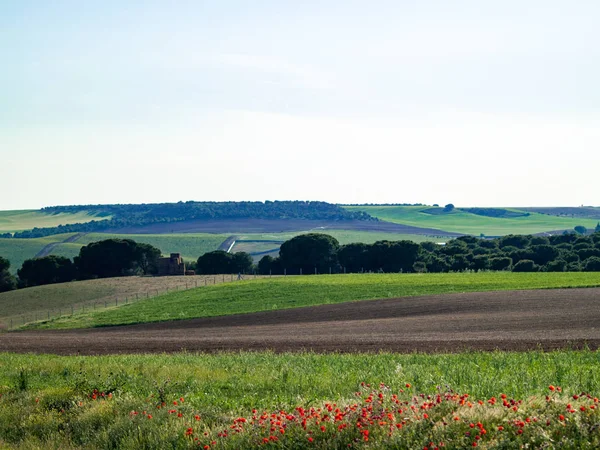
(132, 216)
(487, 221)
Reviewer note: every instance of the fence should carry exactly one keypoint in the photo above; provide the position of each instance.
(18, 320)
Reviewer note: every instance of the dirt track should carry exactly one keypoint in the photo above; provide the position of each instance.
(510, 320)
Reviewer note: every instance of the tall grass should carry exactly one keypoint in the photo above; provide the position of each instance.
(48, 401)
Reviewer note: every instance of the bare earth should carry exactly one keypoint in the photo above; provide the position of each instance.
(509, 320)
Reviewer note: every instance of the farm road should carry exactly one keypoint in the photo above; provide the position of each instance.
(509, 320)
(48, 248)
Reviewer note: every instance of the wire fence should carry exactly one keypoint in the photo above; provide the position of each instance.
(87, 306)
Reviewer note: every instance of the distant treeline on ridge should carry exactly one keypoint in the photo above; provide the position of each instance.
(122, 216)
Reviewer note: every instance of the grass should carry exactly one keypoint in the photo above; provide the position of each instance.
(18, 250)
(463, 222)
(191, 246)
(11, 221)
(291, 292)
(38, 301)
(63, 402)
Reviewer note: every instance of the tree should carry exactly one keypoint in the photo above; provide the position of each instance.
(597, 229)
(242, 262)
(580, 229)
(558, 265)
(592, 264)
(525, 265)
(265, 265)
(115, 258)
(216, 262)
(542, 254)
(353, 257)
(309, 251)
(449, 207)
(514, 240)
(7, 280)
(503, 263)
(47, 270)
(392, 256)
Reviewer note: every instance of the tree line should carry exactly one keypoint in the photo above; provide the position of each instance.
(321, 253)
(121, 216)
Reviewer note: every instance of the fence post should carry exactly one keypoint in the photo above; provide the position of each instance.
(315, 270)
(300, 270)
(72, 310)
(284, 272)
(270, 272)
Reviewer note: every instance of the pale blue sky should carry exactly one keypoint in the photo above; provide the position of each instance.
(471, 102)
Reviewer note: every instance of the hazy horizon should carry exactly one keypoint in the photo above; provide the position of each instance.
(470, 103)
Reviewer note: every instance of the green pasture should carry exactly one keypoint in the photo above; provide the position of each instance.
(56, 402)
(295, 291)
(463, 222)
(346, 236)
(11, 221)
(190, 245)
(18, 250)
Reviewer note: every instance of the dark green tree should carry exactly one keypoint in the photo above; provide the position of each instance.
(501, 263)
(449, 207)
(115, 258)
(592, 264)
(515, 240)
(543, 254)
(353, 257)
(525, 265)
(216, 262)
(7, 280)
(597, 229)
(309, 251)
(558, 265)
(265, 265)
(392, 256)
(242, 262)
(46, 270)
(580, 229)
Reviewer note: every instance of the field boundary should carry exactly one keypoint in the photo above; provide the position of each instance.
(112, 301)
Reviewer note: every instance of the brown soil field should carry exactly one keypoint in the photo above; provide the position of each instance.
(509, 320)
(275, 226)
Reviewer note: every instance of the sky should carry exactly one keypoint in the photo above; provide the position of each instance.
(474, 103)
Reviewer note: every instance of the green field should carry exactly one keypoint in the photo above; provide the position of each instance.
(197, 400)
(463, 222)
(11, 221)
(291, 292)
(18, 250)
(191, 246)
(38, 301)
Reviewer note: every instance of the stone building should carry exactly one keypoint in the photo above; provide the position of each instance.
(171, 265)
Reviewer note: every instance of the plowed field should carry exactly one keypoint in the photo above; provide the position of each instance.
(508, 320)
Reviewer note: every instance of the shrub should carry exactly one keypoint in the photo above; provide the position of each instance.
(525, 265)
